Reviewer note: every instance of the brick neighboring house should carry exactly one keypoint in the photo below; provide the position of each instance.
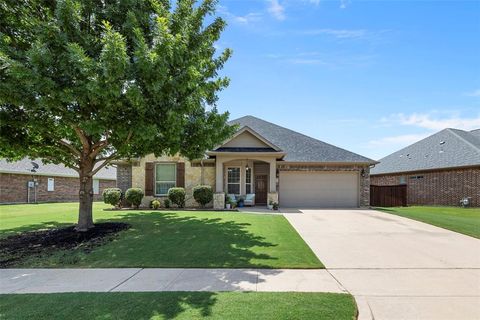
(54, 183)
(438, 170)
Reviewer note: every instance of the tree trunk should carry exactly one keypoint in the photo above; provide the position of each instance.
(85, 216)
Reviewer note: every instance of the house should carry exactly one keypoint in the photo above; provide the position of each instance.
(20, 182)
(438, 170)
(274, 163)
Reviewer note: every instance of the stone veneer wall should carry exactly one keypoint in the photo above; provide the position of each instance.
(364, 188)
(192, 177)
(443, 187)
(13, 188)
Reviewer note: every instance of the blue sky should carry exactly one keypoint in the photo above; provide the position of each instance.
(368, 76)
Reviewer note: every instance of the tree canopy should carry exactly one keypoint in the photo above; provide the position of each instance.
(86, 82)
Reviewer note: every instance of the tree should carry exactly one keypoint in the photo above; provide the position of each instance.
(86, 82)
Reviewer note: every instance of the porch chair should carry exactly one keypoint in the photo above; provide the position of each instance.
(249, 199)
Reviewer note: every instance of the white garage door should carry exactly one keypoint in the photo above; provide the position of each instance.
(334, 189)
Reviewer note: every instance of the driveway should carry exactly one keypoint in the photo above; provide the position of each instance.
(395, 267)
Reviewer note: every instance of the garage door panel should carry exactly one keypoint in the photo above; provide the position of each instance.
(318, 189)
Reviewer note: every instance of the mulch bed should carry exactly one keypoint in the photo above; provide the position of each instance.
(16, 248)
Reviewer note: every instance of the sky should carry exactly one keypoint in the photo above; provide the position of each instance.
(368, 76)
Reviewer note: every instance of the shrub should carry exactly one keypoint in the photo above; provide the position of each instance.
(203, 195)
(112, 196)
(134, 196)
(155, 204)
(177, 196)
(166, 203)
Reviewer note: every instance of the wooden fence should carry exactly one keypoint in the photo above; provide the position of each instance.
(388, 196)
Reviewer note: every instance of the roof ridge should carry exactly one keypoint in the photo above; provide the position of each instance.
(463, 139)
(304, 135)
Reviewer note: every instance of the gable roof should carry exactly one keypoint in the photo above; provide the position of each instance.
(55, 170)
(448, 148)
(247, 130)
(299, 147)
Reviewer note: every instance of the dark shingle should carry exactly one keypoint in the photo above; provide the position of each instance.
(299, 147)
(448, 148)
(24, 166)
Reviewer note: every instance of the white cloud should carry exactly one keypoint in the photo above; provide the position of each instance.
(338, 33)
(248, 18)
(276, 9)
(245, 19)
(398, 141)
(427, 121)
(343, 4)
(475, 93)
(308, 61)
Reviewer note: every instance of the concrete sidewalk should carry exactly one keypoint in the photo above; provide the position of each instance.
(133, 279)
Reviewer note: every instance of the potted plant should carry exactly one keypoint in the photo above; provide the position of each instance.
(270, 205)
(240, 202)
(228, 205)
(275, 205)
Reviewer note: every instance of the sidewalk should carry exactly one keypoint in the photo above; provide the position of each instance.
(136, 279)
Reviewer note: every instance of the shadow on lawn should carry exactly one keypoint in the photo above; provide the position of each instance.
(118, 305)
(167, 240)
(163, 239)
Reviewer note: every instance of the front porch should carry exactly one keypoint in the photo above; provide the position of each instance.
(242, 176)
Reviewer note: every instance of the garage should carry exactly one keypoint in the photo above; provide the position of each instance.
(307, 189)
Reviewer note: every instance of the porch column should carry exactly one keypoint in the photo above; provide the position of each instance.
(218, 175)
(273, 175)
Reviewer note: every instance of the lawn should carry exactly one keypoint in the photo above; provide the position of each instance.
(178, 305)
(168, 239)
(462, 220)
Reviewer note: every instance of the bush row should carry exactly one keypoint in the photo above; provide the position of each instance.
(133, 197)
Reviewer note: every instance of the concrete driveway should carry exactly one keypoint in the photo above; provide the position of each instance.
(395, 267)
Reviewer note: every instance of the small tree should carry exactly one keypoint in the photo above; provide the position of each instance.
(86, 82)
(134, 196)
(177, 196)
(112, 196)
(203, 195)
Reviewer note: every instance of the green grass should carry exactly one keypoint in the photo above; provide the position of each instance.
(462, 220)
(169, 239)
(178, 305)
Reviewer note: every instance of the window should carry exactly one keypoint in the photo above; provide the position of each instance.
(248, 180)
(165, 178)
(50, 184)
(402, 180)
(233, 180)
(96, 186)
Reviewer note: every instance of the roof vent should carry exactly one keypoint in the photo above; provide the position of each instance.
(442, 142)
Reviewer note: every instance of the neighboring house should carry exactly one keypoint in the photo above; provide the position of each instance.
(438, 170)
(274, 163)
(50, 182)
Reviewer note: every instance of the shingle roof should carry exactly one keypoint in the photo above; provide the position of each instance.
(448, 148)
(299, 147)
(24, 166)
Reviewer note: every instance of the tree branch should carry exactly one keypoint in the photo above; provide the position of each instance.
(82, 137)
(70, 147)
(106, 161)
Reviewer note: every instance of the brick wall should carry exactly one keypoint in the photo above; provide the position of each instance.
(124, 176)
(445, 187)
(13, 188)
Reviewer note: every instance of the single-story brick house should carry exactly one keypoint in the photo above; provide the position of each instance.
(438, 170)
(49, 182)
(273, 163)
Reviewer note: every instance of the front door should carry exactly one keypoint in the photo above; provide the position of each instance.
(261, 189)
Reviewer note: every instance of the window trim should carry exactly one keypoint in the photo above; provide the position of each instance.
(251, 180)
(155, 181)
(93, 186)
(240, 179)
